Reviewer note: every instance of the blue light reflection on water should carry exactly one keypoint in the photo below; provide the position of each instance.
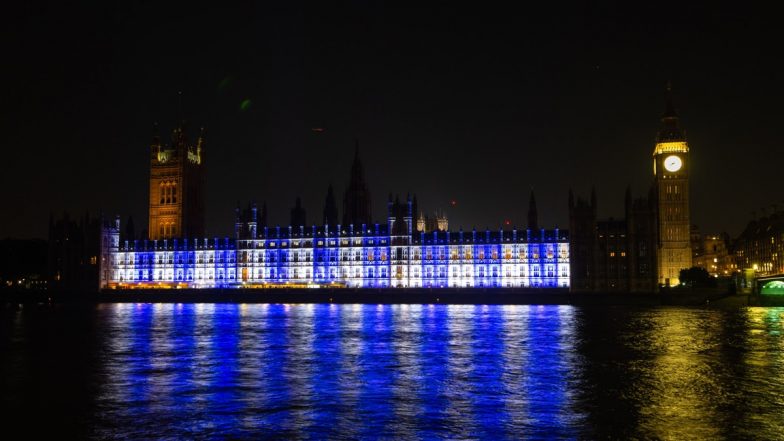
(347, 371)
(424, 371)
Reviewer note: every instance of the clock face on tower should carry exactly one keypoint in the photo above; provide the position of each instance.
(673, 163)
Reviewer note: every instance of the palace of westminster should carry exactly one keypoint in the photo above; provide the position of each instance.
(642, 252)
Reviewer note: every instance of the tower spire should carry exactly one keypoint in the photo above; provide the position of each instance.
(356, 200)
(669, 110)
(670, 129)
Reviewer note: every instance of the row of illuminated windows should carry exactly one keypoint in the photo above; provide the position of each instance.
(492, 271)
(673, 213)
(272, 274)
(173, 276)
(469, 253)
(320, 273)
(167, 229)
(168, 192)
(169, 258)
(308, 243)
(210, 258)
(493, 283)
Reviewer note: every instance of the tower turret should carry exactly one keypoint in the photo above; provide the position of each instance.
(330, 208)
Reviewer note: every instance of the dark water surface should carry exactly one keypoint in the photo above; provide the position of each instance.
(402, 371)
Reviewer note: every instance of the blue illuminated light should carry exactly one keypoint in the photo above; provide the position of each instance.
(339, 257)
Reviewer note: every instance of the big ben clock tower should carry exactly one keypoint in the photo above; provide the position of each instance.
(671, 186)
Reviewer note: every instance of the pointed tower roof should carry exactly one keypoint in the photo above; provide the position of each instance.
(356, 200)
(670, 128)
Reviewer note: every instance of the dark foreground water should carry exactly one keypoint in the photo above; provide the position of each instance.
(407, 371)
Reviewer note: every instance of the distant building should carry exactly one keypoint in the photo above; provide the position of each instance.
(74, 250)
(177, 187)
(438, 221)
(23, 264)
(760, 247)
(713, 253)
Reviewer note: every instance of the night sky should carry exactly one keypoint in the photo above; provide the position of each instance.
(477, 104)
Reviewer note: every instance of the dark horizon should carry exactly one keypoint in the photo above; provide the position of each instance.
(477, 106)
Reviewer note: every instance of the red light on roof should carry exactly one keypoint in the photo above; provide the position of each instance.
(317, 129)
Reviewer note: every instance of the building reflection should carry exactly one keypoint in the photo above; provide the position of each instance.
(458, 387)
(424, 371)
(516, 361)
(351, 322)
(406, 346)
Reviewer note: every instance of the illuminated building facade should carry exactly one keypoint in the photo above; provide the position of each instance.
(357, 253)
(671, 184)
(177, 181)
(760, 247)
(389, 255)
(712, 252)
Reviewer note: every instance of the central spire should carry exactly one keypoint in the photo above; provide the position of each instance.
(356, 200)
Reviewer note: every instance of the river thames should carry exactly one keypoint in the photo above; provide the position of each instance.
(235, 371)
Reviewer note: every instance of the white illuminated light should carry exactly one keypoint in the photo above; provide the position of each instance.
(673, 163)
